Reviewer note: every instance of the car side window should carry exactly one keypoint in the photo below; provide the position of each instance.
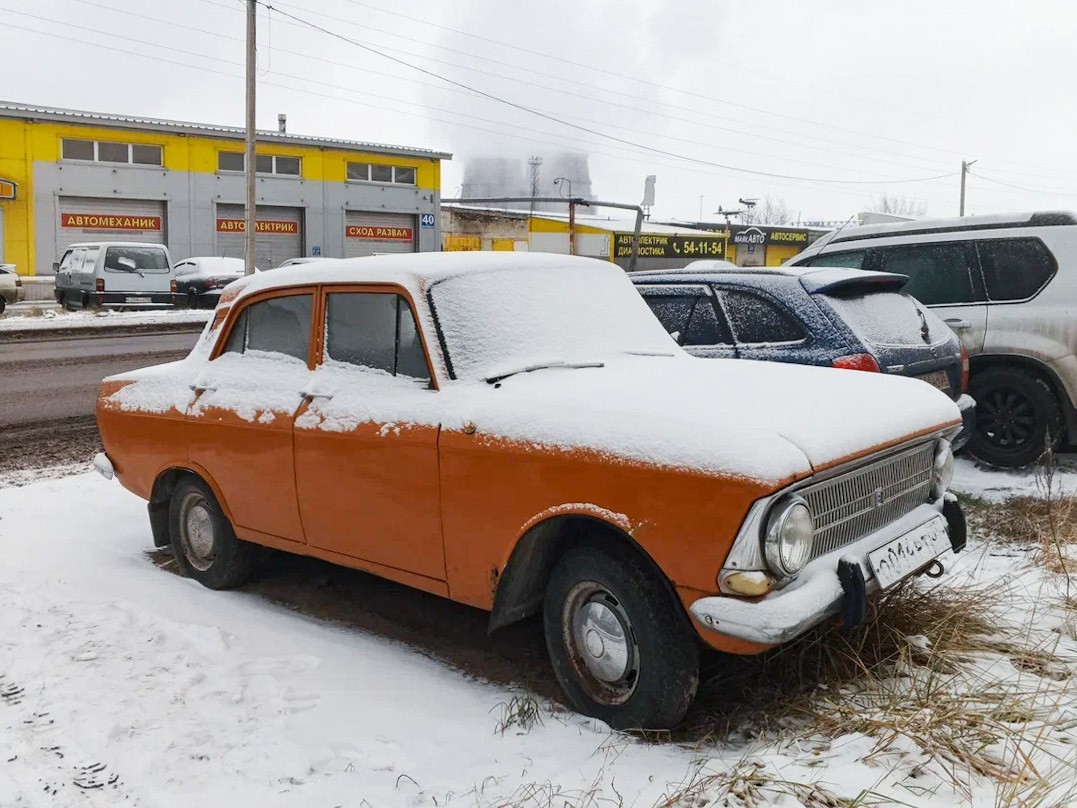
(277, 325)
(184, 267)
(89, 260)
(68, 261)
(673, 312)
(75, 262)
(374, 330)
(848, 260)
(1015, 269)
(939, 274)
(707, 326)
(755, 319)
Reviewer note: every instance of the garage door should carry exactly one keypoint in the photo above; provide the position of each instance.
(87, 219)
(279, 234)
(370, 233)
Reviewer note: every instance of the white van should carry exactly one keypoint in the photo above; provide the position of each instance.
(115, 273)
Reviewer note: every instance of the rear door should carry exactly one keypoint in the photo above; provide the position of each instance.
(764, 328)
(944, 276)
(690, 314)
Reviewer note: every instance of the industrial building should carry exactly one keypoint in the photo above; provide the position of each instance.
(68, 176)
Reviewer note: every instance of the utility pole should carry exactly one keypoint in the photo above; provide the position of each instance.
(964, 170)
(250, 226)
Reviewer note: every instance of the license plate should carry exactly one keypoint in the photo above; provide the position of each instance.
(937, 379)
(130, 299)
(906, 554)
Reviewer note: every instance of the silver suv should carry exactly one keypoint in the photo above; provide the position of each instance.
(1007, 284)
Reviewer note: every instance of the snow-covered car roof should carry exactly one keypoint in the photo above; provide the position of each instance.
(414, 271)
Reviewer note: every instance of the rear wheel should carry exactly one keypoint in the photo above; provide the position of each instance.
(203, 541)
(1017, 417)
(620, 647)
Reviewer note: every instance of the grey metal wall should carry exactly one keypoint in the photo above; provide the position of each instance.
(191, 199)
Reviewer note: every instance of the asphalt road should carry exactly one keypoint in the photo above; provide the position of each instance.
(57, 379)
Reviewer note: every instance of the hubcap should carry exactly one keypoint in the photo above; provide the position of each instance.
(1006, 418)
(196, 532)
(601, 642)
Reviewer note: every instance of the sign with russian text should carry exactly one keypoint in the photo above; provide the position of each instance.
(370, 232)
(102, 221)
(261, 226)
(671, 246)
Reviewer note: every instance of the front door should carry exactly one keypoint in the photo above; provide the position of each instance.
(366, 440)
(240, 422)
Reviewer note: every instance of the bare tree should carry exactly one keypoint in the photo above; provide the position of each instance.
(771, 211)
(899, 206)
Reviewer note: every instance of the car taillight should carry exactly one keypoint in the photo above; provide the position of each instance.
(964, 369)
(100, 285)
(18, 281)
(172, 286)
(857, 361)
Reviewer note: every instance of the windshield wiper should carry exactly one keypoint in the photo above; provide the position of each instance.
(542, 366)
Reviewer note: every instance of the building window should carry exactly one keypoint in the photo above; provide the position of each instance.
(263, 163)
(367, 172)
(106, 151)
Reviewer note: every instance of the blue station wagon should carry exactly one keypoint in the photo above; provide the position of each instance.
(834, 317)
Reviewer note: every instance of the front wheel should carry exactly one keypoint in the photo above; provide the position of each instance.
(1017, 417)
(620, 647)
(203, 541)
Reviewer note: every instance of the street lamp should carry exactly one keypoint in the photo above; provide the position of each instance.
(566, 180)
(571, 212)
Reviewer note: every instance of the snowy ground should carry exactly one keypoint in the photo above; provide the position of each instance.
(53, 317)
(123, 684)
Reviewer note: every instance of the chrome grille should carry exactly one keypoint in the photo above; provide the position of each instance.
(866, 499)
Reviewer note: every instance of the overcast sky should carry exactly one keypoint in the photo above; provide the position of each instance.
(824, 91)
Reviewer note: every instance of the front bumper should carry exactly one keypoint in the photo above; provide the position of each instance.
(968, 420)
(837, 584)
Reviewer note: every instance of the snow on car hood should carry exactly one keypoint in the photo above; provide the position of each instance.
(761, 420)
(757, 420)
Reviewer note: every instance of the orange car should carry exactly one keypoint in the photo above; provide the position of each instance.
(519, 433)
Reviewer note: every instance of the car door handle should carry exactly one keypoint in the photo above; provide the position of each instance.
(957, 324)
(312, 394)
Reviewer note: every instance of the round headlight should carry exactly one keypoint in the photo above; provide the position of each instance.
(942, 473)
(788, 542)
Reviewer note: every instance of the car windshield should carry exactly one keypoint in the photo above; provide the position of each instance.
(890, 318)
(500, 321)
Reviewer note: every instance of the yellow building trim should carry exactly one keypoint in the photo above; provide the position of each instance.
(776, 256)
(539, 225)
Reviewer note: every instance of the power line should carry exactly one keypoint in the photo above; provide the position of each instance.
(563, 122)
(1021, 188)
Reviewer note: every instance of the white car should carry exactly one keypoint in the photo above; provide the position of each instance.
(11, 290)
(114, 273)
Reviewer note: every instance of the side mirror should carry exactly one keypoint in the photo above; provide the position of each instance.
(55, 267)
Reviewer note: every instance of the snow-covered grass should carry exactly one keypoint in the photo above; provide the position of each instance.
(118, 674)
(47, 318)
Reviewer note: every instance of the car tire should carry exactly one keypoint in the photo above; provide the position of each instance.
(1017, 417)
(619, 642)
(203, 541)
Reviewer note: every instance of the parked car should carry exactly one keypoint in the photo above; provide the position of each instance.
(843, 318)
(114, 273)
(11, 290)
(1007, 284)
(199, 281)
(303, 260)
(517, 432)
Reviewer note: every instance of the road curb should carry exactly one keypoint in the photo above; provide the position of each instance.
(92, 332)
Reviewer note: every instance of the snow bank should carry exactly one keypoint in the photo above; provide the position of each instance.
(102, 319)
(997, 485)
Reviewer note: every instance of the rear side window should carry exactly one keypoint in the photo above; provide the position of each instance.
(1015, 269)
(136, 259)
(278, 325)
(689, 318)
(374, 330)
(939, 274)
(755, 319)
(848, 260)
